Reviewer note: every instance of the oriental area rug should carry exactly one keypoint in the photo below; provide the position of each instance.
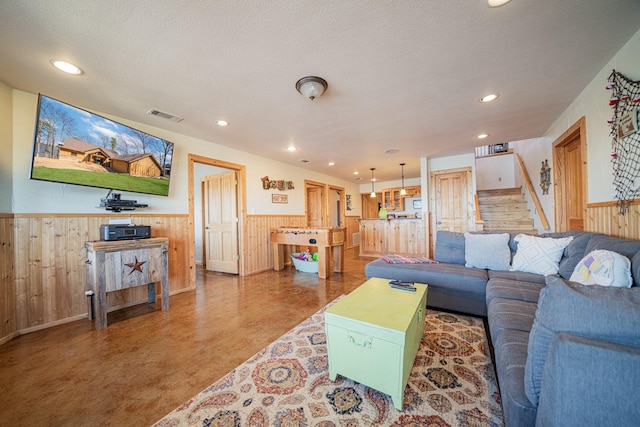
(286, 384)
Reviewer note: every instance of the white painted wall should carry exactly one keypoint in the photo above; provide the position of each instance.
(6, 148)
(593, 104)
(45, 197)
(533, 152)
(495, 172)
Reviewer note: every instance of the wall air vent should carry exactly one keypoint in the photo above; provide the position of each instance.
(165, 115)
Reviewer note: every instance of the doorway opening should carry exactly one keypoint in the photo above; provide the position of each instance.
(197, 229)
(570, 177)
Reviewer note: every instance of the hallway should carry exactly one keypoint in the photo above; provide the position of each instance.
(147, 362)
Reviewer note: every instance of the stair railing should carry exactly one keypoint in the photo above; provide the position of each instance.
(532, 192)
(479, 221)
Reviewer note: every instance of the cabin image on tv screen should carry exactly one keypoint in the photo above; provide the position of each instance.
(110, 155)
(132, 164)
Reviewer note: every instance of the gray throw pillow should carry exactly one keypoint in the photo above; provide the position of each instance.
(490, 251)
(449, 247)
(598, 312)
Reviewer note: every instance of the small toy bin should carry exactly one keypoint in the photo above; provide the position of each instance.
(304, 266)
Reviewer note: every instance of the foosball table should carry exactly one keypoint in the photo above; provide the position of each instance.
(328, 240)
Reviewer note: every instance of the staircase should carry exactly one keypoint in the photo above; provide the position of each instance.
(505, 210)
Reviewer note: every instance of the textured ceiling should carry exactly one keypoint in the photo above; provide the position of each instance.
(402, 74)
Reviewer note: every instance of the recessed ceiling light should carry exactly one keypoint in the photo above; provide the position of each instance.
(483, 135)
(66, 67)
(222, 123)
(489, 98)
(291, 148)
(496, 3)
(304, 161)
(331, 163)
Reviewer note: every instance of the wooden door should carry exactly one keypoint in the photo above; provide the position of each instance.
(573, 175)
(570, 178)
(220, 222)
(452, 195)
(315, 206)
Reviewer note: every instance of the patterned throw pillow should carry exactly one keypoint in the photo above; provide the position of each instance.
(604, 268)
(538, 255)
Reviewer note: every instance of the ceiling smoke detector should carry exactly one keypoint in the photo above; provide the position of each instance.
(165, 115)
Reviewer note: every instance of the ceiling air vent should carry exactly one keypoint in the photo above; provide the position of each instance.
(164, 115)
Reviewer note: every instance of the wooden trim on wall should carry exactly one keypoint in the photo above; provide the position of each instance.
(610, 203)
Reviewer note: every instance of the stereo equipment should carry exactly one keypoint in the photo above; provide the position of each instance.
(124, 232)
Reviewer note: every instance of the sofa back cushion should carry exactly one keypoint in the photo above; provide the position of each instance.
(449, 247)
(574, 252)
(598, 312)
(626, 247)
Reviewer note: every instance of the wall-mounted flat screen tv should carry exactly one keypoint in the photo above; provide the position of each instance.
(74, 146)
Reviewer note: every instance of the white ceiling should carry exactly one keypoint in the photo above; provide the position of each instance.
(402, 74)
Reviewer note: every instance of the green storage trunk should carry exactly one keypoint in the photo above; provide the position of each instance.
(373, 335)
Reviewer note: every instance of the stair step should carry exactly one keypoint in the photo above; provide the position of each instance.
(525, 231)
(501, 198)
(504, 208)
(505, 216)
(499, 191)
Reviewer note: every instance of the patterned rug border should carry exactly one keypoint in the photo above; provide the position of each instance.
(452, 383)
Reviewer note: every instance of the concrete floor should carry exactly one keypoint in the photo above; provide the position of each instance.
(147, 362)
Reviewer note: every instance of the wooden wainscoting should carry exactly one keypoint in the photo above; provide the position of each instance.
(7, 283)
(259, 256)
(605, 218)
(353, 226)
(49, 264)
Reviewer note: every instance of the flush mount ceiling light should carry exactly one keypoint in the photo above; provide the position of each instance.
(496, 3)
(222, 123)
(311, 86)
(483, 135)
(331, 163)
(373, 191)
(67, 67)
(403, 192)
(489, 98)
(291, 148)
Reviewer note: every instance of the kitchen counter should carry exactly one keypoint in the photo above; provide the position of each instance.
(379, 236)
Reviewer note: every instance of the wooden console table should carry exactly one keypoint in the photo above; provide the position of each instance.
(122, 264)
(329, 240)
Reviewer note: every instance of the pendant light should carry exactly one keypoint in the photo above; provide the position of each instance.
(403, 192)
(373, 191)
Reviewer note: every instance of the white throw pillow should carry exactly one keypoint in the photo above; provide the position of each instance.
(490, 251)
(538, 255)
(604, 268)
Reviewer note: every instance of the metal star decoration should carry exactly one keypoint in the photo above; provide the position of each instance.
(135, 266)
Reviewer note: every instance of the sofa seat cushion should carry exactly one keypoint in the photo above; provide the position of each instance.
(513, 289)
(452, 276)
(509, 314)
(600, 312)
(511, 356)
(520, 276)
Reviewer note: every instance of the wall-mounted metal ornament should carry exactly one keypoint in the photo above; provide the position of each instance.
(545, 177)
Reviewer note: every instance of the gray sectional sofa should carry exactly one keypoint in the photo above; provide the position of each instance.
(566, 354)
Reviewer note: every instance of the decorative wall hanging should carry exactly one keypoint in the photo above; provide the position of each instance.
(625, 139)
(279, 184)
(545, 177)
(279, 198)
(349, 206)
